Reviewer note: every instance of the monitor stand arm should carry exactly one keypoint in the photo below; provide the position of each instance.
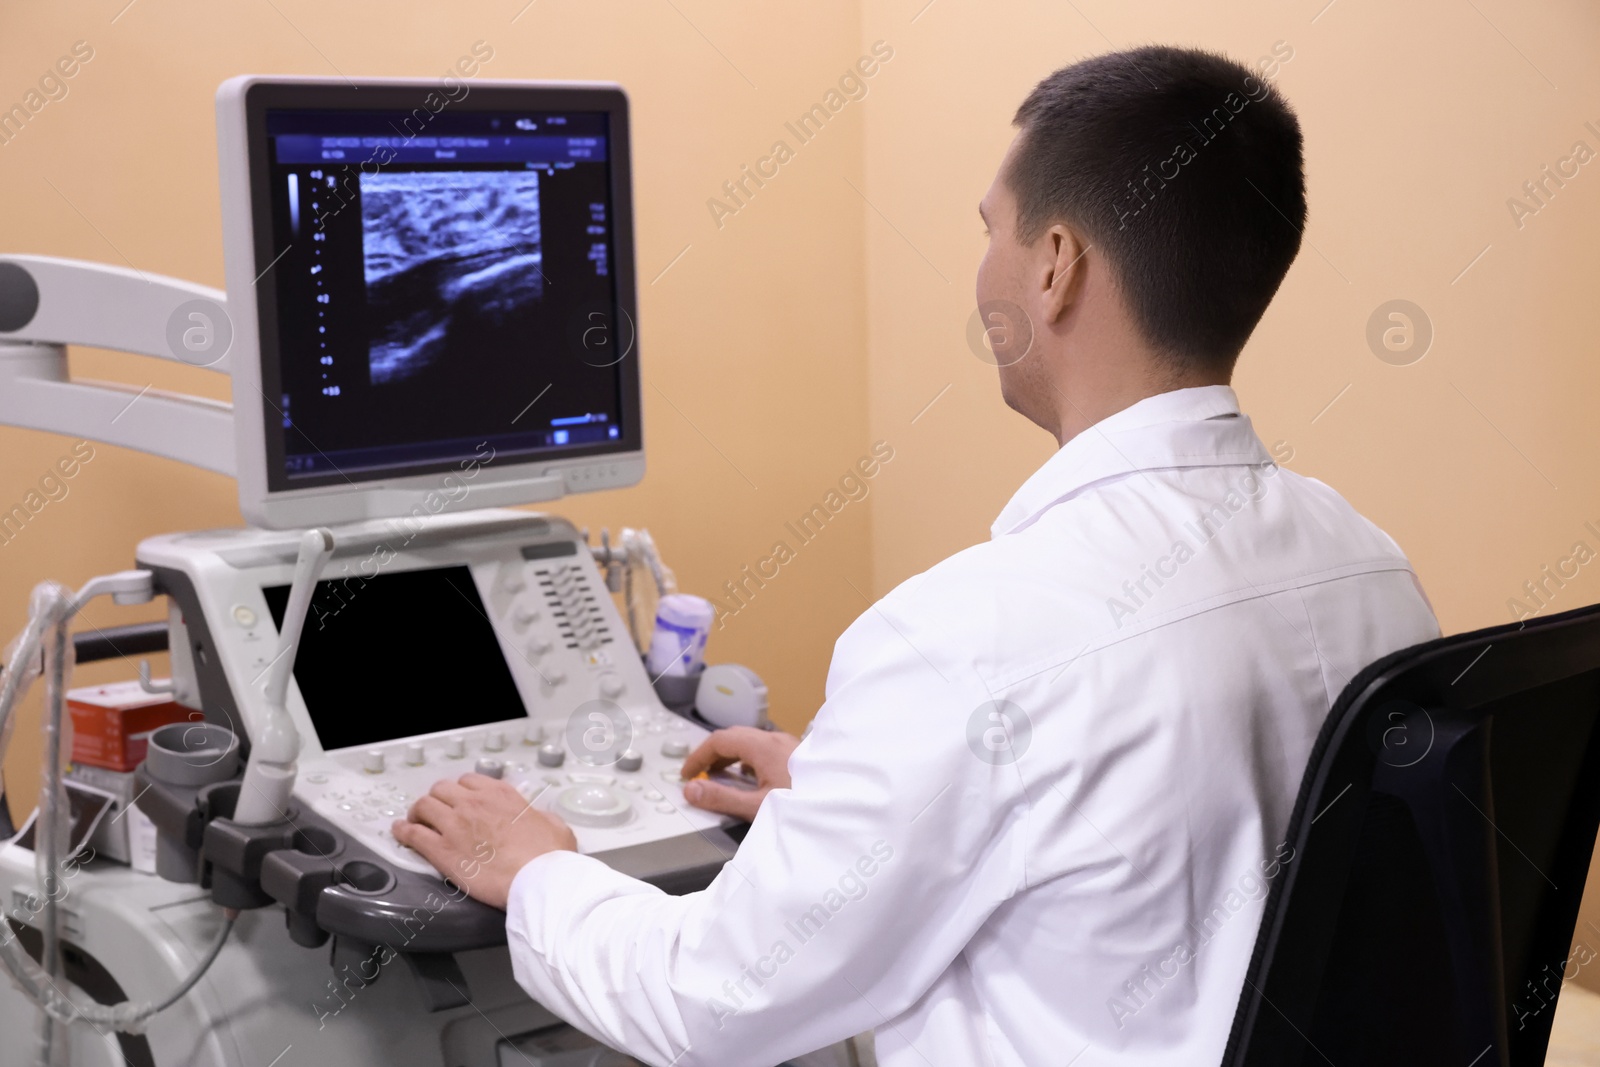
(47, 304)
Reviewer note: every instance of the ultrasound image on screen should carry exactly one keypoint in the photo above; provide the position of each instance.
(437, 291)
(447, 255)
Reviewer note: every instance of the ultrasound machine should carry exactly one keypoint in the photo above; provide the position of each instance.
(429, 317)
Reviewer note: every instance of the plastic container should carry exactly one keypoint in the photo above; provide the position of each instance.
(678, 645)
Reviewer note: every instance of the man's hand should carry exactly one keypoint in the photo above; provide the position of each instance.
(478, 832)
(765, 753)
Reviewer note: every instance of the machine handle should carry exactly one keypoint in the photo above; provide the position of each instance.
(119, 642)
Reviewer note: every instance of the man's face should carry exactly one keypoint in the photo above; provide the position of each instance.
(1007, 303)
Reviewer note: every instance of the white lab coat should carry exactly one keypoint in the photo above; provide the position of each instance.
(1161, 622)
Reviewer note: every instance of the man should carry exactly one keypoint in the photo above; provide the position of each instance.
(1035, 818)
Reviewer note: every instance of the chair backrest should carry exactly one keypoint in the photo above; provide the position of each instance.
(1441, 838)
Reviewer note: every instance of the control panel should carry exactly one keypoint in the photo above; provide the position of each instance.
(484, 641)
(611, 796)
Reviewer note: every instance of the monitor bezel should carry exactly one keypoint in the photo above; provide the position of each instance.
(242, 106)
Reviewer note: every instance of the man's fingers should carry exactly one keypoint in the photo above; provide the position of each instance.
(726, 746)
(704, 758)
(740, 803)
(432, 812)
(447, 790)
(423, 840)
(505, 794)
(411, 834)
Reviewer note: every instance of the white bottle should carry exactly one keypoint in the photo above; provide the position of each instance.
(678, 646)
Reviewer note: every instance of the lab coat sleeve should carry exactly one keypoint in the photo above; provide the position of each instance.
(852, 893)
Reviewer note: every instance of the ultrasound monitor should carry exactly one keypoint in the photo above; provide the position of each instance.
(431, 286)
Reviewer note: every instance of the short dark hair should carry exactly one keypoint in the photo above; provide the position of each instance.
(1185, 169)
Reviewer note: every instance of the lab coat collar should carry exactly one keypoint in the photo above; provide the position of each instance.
(1199, 427)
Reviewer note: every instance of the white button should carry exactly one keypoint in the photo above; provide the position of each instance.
(555, 676)
(553, 779)
(538, 644)
(611, 685)
(675, 748)
(631, 784)
(653, 794)
(524, 616)
(455, 747)
(316, 779)
(511, 580)
(533, 735)
(372, 762)
(244, 616)
(672, 776)
(414, 754)
(665, 809)
(496, 741)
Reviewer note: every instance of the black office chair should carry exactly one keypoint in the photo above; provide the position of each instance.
(1441, 840)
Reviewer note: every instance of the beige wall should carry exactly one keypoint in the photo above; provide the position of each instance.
(828, 312)
(755, 371)
(1420, 122)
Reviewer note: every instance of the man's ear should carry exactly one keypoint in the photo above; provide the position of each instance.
(1063, 270)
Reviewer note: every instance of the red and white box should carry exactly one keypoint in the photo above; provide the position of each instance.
(111, 724)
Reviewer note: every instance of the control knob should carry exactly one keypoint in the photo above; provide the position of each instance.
(593, 804)
(551, 754)
(495, 742)
(675, 748)
(630, 760)
(490, 767)
(455, 747)
(414, 755)
(372, 762)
